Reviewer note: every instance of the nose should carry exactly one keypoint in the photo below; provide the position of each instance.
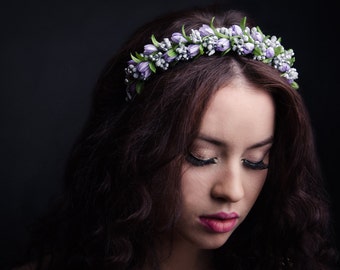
(228, 185)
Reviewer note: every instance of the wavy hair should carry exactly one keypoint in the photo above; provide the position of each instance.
(122, 183)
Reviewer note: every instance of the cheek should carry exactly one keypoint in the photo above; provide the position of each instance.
(195, 185)
(254, 183)
(192, 181)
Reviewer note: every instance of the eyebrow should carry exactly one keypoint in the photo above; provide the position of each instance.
(261, 143)
(217, 142)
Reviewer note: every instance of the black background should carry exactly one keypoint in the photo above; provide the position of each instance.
(51, 53)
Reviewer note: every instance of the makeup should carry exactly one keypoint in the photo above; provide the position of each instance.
(220, 222)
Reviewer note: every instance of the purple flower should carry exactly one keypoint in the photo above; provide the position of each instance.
(131, 62)
(178, 38)
(256, 36)
(248, 47)
(205, 30)
(193, 50)
(284, 67)
(236, 30)
(149, 49)
(222, 45)
(270, 52)
(168, 58)
(144, 69)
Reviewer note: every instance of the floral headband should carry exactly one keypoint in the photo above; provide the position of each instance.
(208, 40)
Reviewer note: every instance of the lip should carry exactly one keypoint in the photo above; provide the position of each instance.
(220, 222)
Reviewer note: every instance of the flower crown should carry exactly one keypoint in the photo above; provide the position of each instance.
(208, 40)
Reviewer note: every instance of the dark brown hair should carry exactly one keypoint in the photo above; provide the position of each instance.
(122, 184)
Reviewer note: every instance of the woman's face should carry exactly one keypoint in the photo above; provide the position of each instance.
(227, 166)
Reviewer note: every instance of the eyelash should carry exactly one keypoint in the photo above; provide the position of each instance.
(254, 165)
(195, 161)
(200, 162)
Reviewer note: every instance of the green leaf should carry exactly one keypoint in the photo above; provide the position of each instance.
(201, 49)
(213, 27)
(259, 30)
(226, 51)
(184, 34)
(295, 85)
(222, 35)
(257, 51)
(140, 57)
(212, 22)
(154, 40)
(278, 50)
(243, 23)
(135, 58)
(139, 86)
(172, 52)
(152, 67)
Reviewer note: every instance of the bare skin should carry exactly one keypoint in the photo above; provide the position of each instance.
(223, 175)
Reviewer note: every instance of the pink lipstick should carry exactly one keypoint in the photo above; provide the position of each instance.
(220, 222)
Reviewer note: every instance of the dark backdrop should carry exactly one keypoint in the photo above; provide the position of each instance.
(51, 53)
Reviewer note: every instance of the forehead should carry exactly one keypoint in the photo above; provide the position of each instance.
(239, 112)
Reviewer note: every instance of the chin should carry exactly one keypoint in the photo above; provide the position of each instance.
(212, 241)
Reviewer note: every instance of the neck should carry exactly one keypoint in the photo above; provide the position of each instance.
(182, 255)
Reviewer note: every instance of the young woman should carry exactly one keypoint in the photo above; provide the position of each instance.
(198, 154)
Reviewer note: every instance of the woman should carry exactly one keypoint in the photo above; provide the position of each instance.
(202, 158)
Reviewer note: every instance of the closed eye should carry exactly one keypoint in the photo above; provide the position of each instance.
(260, 165)
(200, 162)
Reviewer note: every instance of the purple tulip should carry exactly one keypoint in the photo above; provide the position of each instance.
(168, 58)
(144, 69)
(222, 45)
(270, 52)
(205, 30)
(236, 30)
(131, 62)
(178, 38)
(248, 48)
(149, 49)
(256, 36)
(193, 50)
(284, 67)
